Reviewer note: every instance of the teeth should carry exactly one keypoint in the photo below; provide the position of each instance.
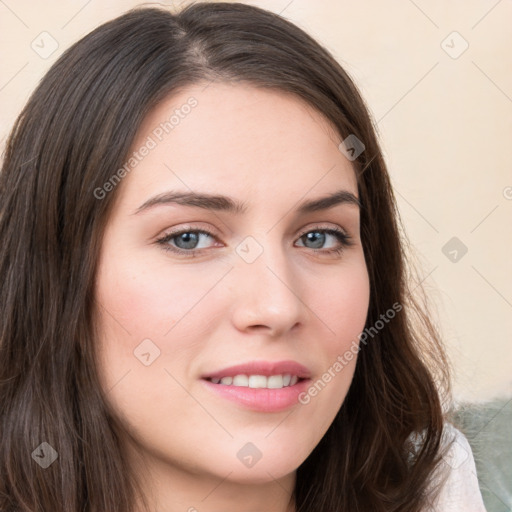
(275, 382)
(258, 381)
(241, 380)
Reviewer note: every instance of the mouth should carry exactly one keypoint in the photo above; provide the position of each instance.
(257, 381)
(260, 386)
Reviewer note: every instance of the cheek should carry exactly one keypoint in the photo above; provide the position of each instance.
(140, 351)
(342, 304)
(148, 298)
(151, 317)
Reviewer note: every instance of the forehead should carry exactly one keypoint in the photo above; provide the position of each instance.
(250, 141)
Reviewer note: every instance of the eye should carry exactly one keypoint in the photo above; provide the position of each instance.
(317, 238)
(187, 241)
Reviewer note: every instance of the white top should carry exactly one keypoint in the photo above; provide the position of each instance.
(460, 491)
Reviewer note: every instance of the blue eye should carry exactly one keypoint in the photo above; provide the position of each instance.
(188, 239)
(318, 238)
(186, 242)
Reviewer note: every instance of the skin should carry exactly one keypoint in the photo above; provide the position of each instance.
(204, 313)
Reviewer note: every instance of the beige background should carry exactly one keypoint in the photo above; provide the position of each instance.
(444, 117)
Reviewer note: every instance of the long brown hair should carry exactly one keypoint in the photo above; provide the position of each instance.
(73, 134)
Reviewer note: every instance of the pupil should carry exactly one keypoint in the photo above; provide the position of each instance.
(189, 239)
(317, 238)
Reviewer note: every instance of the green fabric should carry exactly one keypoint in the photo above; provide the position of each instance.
(488, 428)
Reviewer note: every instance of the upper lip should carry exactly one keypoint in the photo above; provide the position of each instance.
(265, 368)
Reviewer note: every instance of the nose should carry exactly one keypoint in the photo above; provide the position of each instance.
(266, 296)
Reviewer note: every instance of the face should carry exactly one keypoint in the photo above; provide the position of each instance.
(189, 288)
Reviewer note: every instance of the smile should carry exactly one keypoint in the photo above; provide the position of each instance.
(258, 381)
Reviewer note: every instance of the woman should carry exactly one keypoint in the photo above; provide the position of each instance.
(204, 301)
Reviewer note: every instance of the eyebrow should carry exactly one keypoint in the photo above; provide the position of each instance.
(228, 204)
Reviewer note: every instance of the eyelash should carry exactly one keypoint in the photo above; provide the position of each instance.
(344, 239)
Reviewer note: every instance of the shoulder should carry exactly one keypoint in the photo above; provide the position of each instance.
(458, 489)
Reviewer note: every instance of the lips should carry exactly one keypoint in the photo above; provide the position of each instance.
(265, 368)
(260, 386)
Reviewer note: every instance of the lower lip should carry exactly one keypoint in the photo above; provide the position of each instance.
(261, 399)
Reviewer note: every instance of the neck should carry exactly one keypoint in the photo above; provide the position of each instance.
(171, 489)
